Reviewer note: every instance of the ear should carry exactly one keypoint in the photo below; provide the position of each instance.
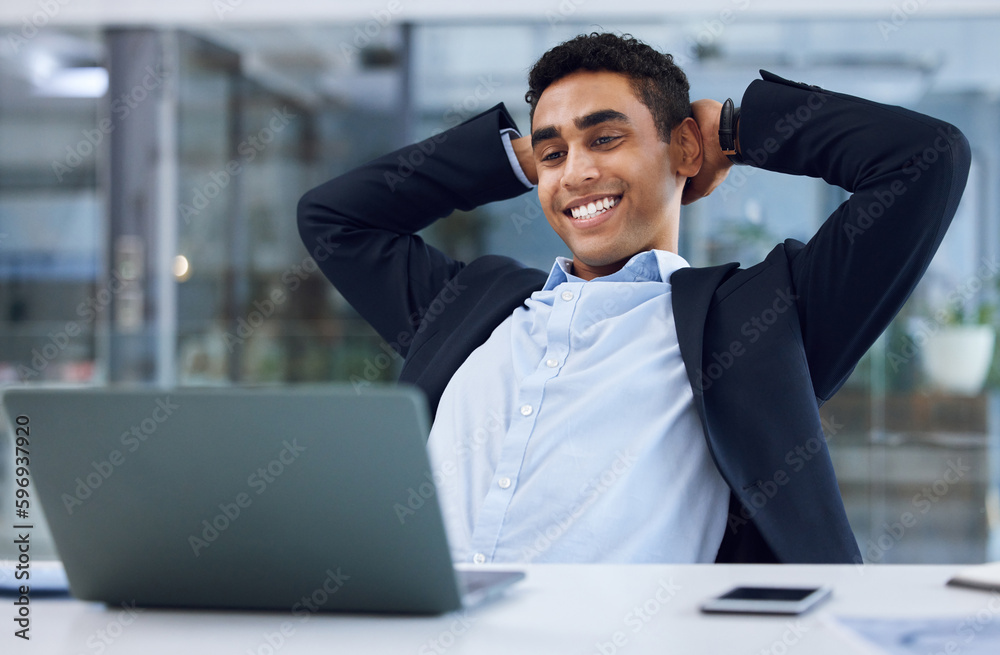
(686, 148)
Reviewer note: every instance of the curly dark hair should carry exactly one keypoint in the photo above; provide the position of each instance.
(655, 79)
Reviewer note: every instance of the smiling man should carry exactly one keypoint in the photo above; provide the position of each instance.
(624, 406)
(608, 180)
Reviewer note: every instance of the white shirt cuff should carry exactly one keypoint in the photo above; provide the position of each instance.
(505, 136)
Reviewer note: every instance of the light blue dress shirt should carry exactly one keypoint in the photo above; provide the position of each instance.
(570, 435)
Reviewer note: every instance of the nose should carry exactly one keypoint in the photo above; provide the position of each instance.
(580, 168)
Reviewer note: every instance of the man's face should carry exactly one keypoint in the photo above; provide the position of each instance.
(595, 142)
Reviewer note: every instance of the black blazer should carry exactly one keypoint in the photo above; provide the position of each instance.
(764, 346)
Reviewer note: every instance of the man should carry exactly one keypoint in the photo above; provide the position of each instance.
(626, 407)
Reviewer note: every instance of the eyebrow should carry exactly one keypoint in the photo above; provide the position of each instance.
(582, 123)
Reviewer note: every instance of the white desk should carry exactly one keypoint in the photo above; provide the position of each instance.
(556, 609)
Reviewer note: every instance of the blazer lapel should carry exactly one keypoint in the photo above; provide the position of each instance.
(692, 290)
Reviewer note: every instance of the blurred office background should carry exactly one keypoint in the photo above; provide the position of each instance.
(151, 159)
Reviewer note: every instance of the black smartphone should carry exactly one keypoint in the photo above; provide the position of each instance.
(767, 600)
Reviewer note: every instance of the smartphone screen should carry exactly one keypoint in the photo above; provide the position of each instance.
(769, 593)
(767, 600)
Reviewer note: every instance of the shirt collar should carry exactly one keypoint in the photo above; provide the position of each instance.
(646, 266)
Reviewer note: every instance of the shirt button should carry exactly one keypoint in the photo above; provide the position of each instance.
(479, 558)
(504, 482)
(526, 410)
(552, 363)
(567, 295)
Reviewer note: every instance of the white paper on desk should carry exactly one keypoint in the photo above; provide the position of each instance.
(975, 634)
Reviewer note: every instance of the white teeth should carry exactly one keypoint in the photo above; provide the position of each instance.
(592, 209)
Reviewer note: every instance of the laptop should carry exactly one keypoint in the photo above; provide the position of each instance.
(302, 499)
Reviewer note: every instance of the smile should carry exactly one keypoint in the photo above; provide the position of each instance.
(593, 208)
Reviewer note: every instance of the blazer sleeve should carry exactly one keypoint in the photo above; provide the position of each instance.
(360, 227)
(906, 173)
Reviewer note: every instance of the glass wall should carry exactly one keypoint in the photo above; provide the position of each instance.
(251, 307)
(51, 207)
(252, 118)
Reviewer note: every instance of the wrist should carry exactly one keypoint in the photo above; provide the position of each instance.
(729, 137)
(525, 157)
